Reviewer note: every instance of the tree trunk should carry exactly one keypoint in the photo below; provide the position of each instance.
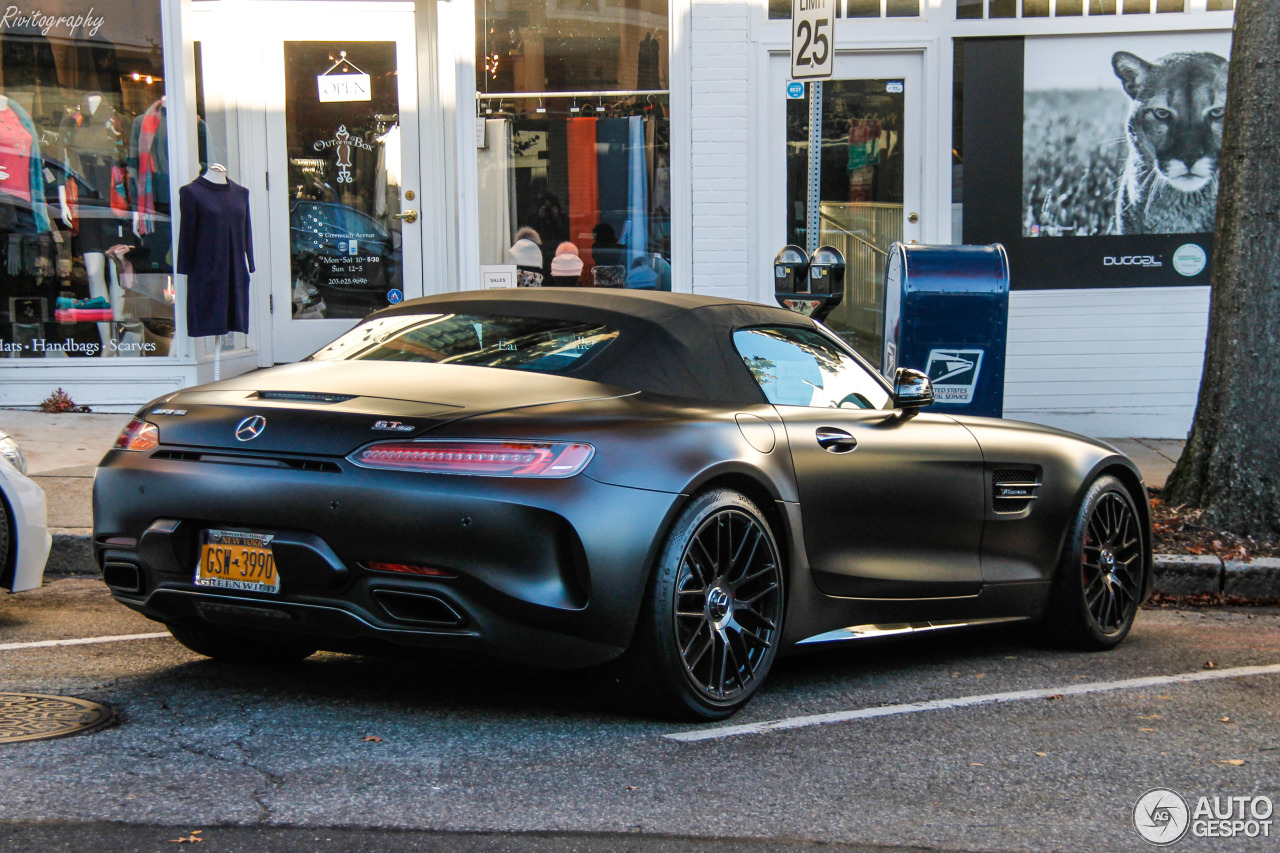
(1231, 465)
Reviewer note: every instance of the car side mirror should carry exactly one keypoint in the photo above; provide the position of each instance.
(911, 389)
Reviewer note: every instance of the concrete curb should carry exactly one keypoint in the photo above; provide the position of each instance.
(1175, 574)
(1187, 574)
(71, 553)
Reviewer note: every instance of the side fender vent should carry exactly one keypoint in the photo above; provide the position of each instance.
(1013, 490)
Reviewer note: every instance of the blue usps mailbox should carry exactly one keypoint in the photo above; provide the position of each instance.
(947, 313)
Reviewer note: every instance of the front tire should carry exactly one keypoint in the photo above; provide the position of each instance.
(230, 647)
(1099, 582)
(711, 619)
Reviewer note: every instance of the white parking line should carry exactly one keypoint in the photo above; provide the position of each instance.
(85, 641)
(968, 701)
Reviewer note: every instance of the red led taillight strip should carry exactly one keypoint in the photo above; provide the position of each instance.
(550, 459)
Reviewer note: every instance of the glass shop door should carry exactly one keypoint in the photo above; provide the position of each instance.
(342, 147)
(870, 176)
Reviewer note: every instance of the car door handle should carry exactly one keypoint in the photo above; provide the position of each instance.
(835, 440)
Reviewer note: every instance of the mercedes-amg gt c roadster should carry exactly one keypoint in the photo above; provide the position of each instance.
(678, 486)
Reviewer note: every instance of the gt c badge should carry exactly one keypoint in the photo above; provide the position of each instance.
(250, 428)
(393, 426)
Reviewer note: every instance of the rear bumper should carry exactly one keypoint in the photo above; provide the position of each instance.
(25, 501)
(548, 572)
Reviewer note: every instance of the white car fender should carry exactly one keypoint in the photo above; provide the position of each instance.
(28, 514)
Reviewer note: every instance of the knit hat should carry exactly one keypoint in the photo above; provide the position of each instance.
(566, 262)
(525, 253)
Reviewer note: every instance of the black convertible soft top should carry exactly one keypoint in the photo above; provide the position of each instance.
(669, 343)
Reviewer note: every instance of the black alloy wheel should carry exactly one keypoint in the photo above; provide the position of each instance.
(728, 597)
(712, 618)
(1100, 580)
(1111, 555)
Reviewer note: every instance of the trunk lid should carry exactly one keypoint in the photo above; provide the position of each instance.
(332, 408)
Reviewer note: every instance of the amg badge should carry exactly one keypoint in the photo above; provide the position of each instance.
(394, 426)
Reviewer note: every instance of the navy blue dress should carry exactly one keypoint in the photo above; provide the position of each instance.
(215, 252)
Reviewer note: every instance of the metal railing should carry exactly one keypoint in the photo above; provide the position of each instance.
(863, 232)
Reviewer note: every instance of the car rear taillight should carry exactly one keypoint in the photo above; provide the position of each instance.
(138, 435)
(547, 459)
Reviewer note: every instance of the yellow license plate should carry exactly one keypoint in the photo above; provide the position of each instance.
(236, 559)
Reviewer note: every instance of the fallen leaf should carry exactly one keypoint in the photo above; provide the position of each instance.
(372, 739)
(193, 838)
(980, 675)
(1053, 696)
(1151, 716)
(1164, 697)
(1234, 762)
(1042, 754)
(1217, 543)
(1224, 719)
(1209, 664)
(1146, 730)
(976, 764)
(630, 787)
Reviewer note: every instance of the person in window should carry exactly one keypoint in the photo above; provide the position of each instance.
(566, 266)
(526, 254)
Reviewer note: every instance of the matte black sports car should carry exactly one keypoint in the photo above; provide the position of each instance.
(681, 485)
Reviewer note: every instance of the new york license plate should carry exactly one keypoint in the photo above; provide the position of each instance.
(237, 559)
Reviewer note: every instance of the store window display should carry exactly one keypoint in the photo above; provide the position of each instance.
(574, 101)
(85, 226)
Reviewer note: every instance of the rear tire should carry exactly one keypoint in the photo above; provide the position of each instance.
(1099, 582)
(230, 647)
(711, 618)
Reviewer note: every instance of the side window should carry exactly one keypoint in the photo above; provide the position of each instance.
(798, 367)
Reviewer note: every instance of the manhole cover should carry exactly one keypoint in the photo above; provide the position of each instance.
(34, 716)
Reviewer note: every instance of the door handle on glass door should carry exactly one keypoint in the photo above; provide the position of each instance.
(408, 216)
(835, 440)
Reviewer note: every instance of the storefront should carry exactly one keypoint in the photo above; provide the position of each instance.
(395, 149)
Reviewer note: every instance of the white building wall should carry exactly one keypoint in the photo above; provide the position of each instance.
(722, 129)
(1118, 362)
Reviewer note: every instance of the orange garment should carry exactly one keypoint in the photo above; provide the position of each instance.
(584, 187)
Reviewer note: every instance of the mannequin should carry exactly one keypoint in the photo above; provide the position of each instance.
(90, 152)
(216, 174)
(215, 252)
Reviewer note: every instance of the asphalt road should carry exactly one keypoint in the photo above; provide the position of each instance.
(346, 753)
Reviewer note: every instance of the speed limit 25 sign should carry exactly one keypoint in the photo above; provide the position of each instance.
(812, 51)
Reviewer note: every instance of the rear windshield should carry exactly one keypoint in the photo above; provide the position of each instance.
(517, 343)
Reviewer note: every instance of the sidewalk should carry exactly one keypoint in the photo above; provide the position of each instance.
(63, 450)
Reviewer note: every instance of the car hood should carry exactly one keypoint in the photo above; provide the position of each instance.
(331, 408)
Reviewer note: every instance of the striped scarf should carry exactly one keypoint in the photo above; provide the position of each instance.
(144, 222)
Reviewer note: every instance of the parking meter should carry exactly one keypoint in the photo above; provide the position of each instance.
(826, 273)
(790, 268)
(812, 287)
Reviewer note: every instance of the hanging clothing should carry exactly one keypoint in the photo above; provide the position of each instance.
(584, 186)
(150, 163)
(21, 161)
(611, 136)
(648, 63)
(495, 165)
(215, 252)
(637, 192)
